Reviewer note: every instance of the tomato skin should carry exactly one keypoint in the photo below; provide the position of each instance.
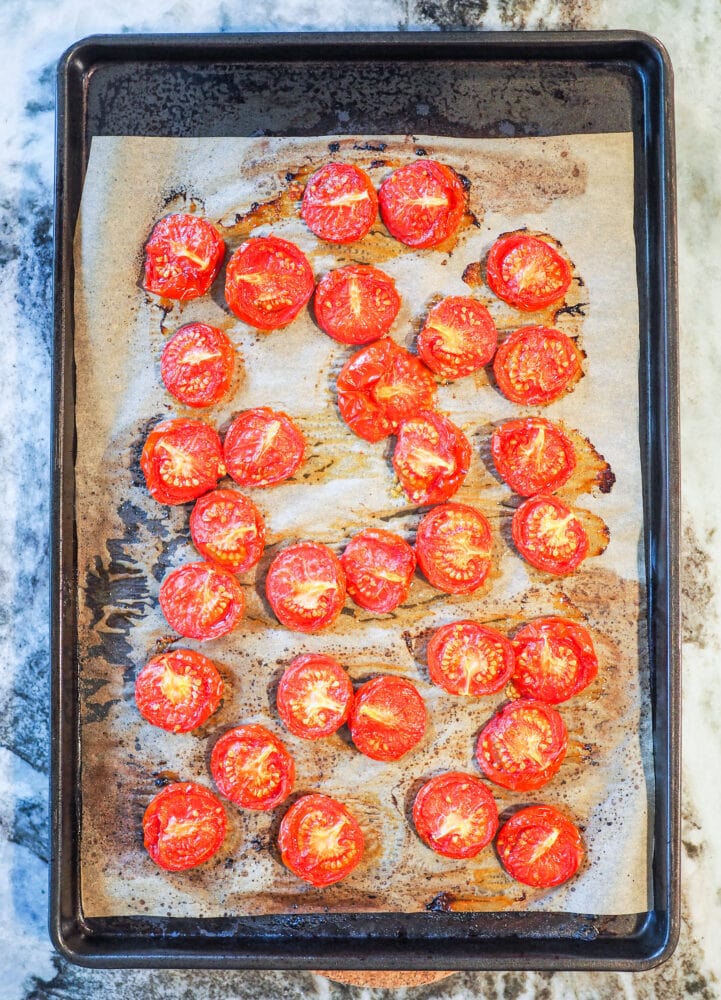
(467, 658)
(181, 460)
(178, 690)
(252, 768)
(379, 568)
(183, 826)
(533, 455)
(525, 833)
(458, 796)
(267, 282)
(416, 224)
(555, 660)
(314, 696)
(537, 365)
(380, 386)
(454, 547)
(263, 447)
(356, 304)
(339, 203)
(228, 530)
(306, 587)
(514, 265)
(388, 718)
(523, 745)
(201, 601)
(458, 338)
(431, 458)
(549, 536)
(182, 257)
(197, 364)
(320, 840)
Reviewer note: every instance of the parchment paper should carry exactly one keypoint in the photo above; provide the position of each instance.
(577, 188)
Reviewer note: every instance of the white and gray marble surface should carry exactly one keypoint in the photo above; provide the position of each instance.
(34, 33)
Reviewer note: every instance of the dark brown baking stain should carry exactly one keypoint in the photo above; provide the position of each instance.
(448, 902)
(473, 275)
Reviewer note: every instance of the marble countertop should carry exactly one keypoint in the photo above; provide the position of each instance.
(35, 33)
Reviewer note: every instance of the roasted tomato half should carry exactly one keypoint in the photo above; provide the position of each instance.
(182, 257)
(455, 814)
(178, 690)
(305, 586)
(252, 768)
(380, 386)
(181, 460)
(263, 447)
(527, 272)
(422, 203)
(537, 365)
(470, 659)
(539, 846)
(533, 455)
(356, 304)
(379, 568)
(320, 840)
(339, 203)
(431, 458)
(555, 659)
(388, 718)
(201, 601)
(197, 364)
(228, 530)
(183, 826)
(523, 745)
(267, 282)
(458, 338)
(314, 696)
(454, 546)
(549, 535)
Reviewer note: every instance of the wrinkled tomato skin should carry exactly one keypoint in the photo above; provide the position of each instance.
(533, 530)
(330, 818)
(413, 223)
(444, 533)
(252, 768)
(431, 458)
(309, 680)
(192, 809)
(228, 530)
(379, 568)
(458, 338)
(518, 255)
(182, 257)
(263, 447)
(267, 282)
(525, 833)
(533, 455)
(490, 652)
(181, 460)
(293, 576)
(356, 304)
(461, 795)
(197, 365)
(500, 750)
(348, 221)
(178, 690)
(536, 365)
(184, 597)
(388, 718)
(544, 643)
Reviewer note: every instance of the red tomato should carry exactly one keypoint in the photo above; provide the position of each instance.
(454, 546)
(356, 304)
(182, 257)
(320, 840)
(380, 386)
(339, 203)
(458, 338)
(549, 535)
(533, 455)
(314, 696)
(431, 458)
(388, 718)
(263, 447)
(555, 659)
(455, 814)
(201, 602)
(467, 658)
(183, 826)
(422, 203)
(252, 768)
(536, 365)
(523, 745)
(228, 530)
(178, 690)
(267, 282)
(197, 364)
(379, 567)
(540, 847)
(181, 460)
(526, 272)
(306, 587)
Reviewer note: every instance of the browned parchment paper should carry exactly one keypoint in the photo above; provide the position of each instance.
(580, 190)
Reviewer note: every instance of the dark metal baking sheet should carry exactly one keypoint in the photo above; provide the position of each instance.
(451, 84)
